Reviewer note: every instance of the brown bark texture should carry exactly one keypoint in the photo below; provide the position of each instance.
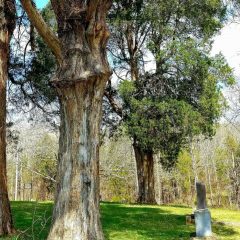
(80, 82)
(7, 24)
(145, 175)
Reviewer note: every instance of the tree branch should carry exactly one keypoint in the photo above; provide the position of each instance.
(114, 104)
(43, 29)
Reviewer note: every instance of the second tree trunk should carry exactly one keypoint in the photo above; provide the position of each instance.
(145, 175)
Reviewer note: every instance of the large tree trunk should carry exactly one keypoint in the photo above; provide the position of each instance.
(76, 213)
(7, 14)
(145, 175)
(80, 83)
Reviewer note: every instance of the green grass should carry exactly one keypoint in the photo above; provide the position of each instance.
(127, 222)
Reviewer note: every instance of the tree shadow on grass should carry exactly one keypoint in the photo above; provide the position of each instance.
(120, 222)
(221, 229)
(143, 222)
(149, 222)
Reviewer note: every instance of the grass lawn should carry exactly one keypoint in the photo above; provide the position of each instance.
(128, 222)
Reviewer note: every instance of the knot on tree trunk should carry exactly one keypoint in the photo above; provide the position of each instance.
(81, 67)
(83, 35)
(84, 54)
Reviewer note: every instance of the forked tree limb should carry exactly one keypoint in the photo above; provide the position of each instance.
(43, 29)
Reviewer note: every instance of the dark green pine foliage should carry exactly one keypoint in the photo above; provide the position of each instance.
(31, 69)
(43, 64)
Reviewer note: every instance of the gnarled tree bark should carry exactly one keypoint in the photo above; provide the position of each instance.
(80, 82)
(7, 24)
(76, 212)
(145, 174)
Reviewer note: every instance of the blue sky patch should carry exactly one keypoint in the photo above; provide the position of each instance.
(41, 3)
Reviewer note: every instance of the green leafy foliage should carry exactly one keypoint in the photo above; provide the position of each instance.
(181, 100)
(41, 70)
(32, 65)
(43, 63)
(183, 19)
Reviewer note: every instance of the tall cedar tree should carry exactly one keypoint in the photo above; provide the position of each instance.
(166, 111)
(7, 24)
(156, 25)
(80, 80)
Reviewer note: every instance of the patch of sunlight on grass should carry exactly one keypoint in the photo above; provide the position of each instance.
(226, 215)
